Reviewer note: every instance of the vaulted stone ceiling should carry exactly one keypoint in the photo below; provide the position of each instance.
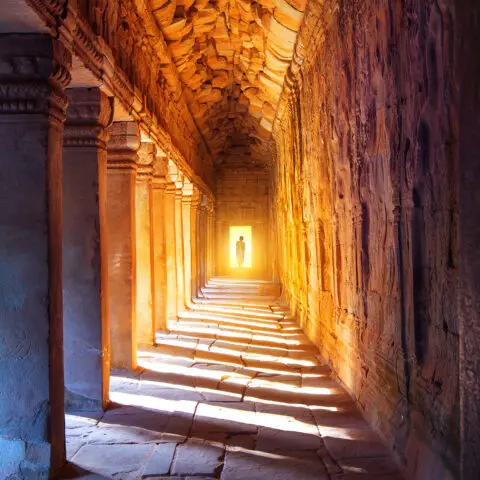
(231, 57)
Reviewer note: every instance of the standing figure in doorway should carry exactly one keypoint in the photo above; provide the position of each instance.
(240, 252)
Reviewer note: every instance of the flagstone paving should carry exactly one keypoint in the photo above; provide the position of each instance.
(234, 391)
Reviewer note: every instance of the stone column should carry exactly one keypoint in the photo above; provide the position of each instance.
(160, 171)
(144, 244)
(211, 253)
(171, 250)
(200, 247)
(194, 241)
(187, 241)
(179, 243)
(203, 241)
(34, 72)
(85, 265)
(122, 276)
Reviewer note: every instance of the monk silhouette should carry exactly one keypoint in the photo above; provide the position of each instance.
(240, 252)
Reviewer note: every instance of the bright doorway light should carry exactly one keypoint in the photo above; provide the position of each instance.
(235, 234)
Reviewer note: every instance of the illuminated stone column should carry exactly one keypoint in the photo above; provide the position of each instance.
(85, 257)
(187, 240)
(210, 233)
(199, 247)
(122, 275)
(145, 313)
(202, 241)
(34, 72)
(179, 243)
(171, 250)
(159, 182)
(194, 240)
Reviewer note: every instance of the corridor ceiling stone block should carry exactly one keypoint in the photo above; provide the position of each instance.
(231, 57)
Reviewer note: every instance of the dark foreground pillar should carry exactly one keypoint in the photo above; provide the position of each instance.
(34, 71)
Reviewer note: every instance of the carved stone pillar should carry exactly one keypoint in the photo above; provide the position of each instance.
(144, 244)
(85, 262)
(194, 240)
(203, 241)
(171, 250)
(34, 72)
(179, 244)
(210, 232)
(187, 241)
(159, 181)
(122, 276)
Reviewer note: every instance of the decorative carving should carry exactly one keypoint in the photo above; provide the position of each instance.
(123, 145)
(51, 11)
(89, 114)
(34, 70)
(146, 158)
(99, 38)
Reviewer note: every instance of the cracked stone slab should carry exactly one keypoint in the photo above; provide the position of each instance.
(196, 457)
(224, 417)
(251, 465)
(276, 440)
(120, 461)
(345, 442)
(160, 460)
(131, 425)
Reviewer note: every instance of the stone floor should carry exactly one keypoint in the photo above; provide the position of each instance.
(235, 391)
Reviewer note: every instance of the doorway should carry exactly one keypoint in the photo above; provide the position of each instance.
(235, 233)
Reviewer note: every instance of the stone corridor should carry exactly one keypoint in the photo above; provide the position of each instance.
(158, 155)
(235, 391)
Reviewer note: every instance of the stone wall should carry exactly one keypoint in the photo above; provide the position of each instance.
(242, 199)
(366, 214)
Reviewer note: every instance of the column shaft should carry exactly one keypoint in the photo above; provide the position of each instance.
(200, 250)
(171, 251)
(203, 243)
(179, 251)
(159, 244)
(35, 70)
(122, 284)
(211, 253)
(194, 242)
(85, 265)
(144, 245)
(187, 248)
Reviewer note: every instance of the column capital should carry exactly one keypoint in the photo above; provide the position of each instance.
(211, 207)
(35, 71)
(147, 154)
(203, 202)
(160, 172)
(175, 176)
(123, 145)
(89, 114)
(170, 187)
(195, 197)
(187, 192)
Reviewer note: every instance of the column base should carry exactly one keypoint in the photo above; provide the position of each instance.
(21, 459)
